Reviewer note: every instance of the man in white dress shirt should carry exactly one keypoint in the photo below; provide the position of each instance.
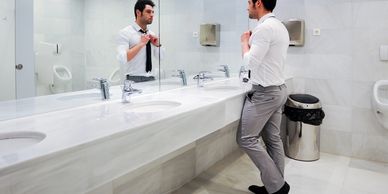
(136, 43)
(264, 50)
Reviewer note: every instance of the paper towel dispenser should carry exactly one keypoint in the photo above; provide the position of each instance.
(296, 28)
(209, 34)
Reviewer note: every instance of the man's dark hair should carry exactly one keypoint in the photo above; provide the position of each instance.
(141, 4)
(268, 4)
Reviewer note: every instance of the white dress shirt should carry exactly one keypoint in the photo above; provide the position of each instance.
(128, 38)
(268, 49)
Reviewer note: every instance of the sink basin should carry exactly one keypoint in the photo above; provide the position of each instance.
(221, 88)
(12, 141)
(151, 106)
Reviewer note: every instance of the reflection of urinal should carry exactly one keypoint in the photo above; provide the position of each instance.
(114, 77)
(380, 102)
(62, 80)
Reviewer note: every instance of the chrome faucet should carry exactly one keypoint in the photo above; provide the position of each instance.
(243, 74)
(202, 77)
(104, 86)
(128, 90)
(225, 69)
(182, 75)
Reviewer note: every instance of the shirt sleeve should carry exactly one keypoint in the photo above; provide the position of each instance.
(259, 46)
(122, 47)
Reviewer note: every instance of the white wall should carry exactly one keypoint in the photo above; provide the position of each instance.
(7, 50)
(340, 67)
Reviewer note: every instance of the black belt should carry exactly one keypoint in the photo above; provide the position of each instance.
(139, 78)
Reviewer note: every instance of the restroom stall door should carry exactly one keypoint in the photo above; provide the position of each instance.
(7, 50)
(24, 49)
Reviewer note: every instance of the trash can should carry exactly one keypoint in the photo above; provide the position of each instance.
(304, 116)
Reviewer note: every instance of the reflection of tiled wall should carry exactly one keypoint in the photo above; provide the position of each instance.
(62, 22)
(340, 67)
(7, 49)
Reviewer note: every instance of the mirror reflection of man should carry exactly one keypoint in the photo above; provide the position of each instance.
(136, 43)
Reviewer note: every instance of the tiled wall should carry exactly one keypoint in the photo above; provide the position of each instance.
(340, 67)
(7, 49)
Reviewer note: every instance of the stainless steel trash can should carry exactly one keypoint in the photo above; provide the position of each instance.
(304, 116)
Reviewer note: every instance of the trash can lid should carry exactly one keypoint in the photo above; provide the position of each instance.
(304, 98)
(303, 101)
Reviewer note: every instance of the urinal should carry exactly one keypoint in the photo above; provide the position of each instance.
(380, 102)
(62, 79)
(114, 77)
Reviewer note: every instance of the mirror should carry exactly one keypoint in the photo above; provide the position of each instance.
(180, 34)
(75, 41)
(77, 38)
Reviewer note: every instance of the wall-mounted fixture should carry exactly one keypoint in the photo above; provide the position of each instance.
(210, 34)
(296, 30)
(384, 52)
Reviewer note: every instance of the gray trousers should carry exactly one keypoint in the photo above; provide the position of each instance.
(261, 116)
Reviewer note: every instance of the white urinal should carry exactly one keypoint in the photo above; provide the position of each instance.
(62, 80)
(114, 77)
(380, 102)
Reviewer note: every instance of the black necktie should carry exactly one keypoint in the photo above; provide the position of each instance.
(148, 53)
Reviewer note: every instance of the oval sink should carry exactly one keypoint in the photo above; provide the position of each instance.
(13, 141)
(221, 88)
(152, 106)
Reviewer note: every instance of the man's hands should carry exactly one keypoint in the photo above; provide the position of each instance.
(144, 39)
(245, 37)
(245, 42)
(148, 37)
(155, 40)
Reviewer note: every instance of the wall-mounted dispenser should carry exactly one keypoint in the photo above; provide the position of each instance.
(296, 28)
(209, 34)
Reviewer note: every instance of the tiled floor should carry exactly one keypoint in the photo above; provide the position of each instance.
(332, 174)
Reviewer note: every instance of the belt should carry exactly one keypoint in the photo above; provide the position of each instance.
(262, 88)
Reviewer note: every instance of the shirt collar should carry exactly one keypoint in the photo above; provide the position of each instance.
(137, 27)
(266, 16)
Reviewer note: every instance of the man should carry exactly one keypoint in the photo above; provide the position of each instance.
(265, 50)
(136, 42)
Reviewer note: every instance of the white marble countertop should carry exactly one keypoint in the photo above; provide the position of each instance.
(43, 104)
(73, 128)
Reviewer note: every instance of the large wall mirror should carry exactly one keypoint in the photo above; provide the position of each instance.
(78, 38)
